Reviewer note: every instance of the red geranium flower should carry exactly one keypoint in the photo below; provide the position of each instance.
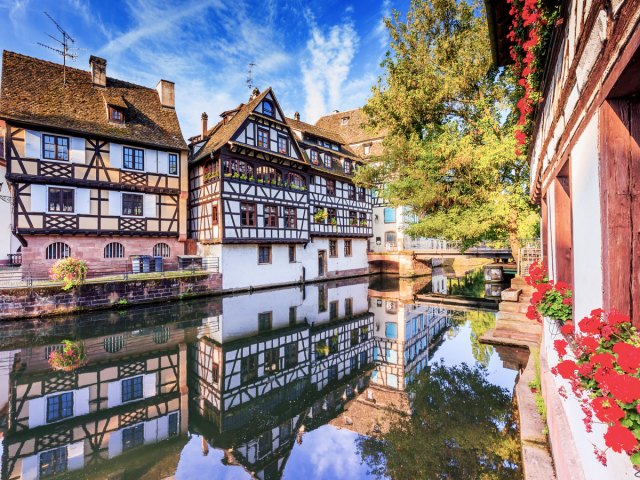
(567, 368)
(628, 357)
(620, 439)
(623, 387)
(614, 318)
(607, 409)
(561, 347)
(589, 325)
(587, 344)
(604, 359)
(567, 328)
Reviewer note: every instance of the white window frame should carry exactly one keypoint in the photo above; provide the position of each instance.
(75, 199)
(177, 174)
(144, 160)
(122, 204)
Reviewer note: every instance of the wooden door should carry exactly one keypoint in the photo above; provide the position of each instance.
(322, 263)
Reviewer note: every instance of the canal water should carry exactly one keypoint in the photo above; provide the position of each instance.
(348, 379)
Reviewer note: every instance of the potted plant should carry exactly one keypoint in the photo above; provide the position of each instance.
(551, 300)
(333, 221)
(363, 223)
(71, 271)
(320, 216)
(71, 356)
(322, 349)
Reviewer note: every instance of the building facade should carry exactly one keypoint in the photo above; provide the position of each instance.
(97, 167)
(261, 200)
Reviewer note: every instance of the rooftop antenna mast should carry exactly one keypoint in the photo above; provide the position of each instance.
(250, 76)
(66, 51)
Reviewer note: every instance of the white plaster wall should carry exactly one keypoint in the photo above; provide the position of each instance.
(309, 256)
(5, 219)
(551, 235)
(587, 232)
(357, 292)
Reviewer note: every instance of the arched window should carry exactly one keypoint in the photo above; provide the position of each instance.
(58, 250)
(267, 108)
(268, 174)
(161, 250)
(161, 335)
(295, 179)
(239, 168)
(114, 250)
(114, 344)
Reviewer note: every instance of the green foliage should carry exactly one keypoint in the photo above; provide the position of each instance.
(71, 356)
(462, 427)
(71, 271)
(449, 121)
(556, 304)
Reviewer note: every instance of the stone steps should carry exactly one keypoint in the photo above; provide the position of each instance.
(514, 307)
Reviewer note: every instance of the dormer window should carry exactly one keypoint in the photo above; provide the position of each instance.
(267, 108)
(116, 115)
(344, 121)
(367, 148)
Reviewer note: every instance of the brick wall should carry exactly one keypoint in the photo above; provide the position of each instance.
(39, 301)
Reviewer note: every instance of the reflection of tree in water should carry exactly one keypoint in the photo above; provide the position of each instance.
(471, 285)
(462, 428)
(480, 322)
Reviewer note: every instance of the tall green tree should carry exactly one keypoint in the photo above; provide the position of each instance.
(449, 120)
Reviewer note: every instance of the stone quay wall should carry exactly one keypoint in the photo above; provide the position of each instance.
(25, 302)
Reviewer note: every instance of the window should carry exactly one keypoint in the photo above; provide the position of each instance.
(321, 349)
(333, 248)
(248, 214)
(390, 237)
(268, 175)
(290, 217)
(59, 407)
(348, 307)
(53, 461)
(161, 250)
(264, 254)
(132, 389)
(332, 216)
(351, 192)
(363, 219)
(263, 137)
(334, 343)
(214, 214)
(331, 187)
(354, 363)
(267, 108)
(333, 310)
(57, 250)
(271, 360)
(347, 248)
(295, 180)
(237, 168)
(322, 299)
(173, 164)
(328, 160)
(363, 358)
(284, 434)
(210, 171)
(132, 204)
(270, 216)
(367, 148)
(249, 368)
(292, 253)
(314, 157)
(114, 250)
(362, 196)
(265, 320)
(113, 344)
(61, 200)
(133, 436)
(215, 373)
(265, 443)
(283, 145)
(391, 330)
(364, 333)
(353, 218)
(133, 158)
(344, 121)
(173, 424)
(389, 215)
(293, 316)
(355, 338)
(347, 166)
(55, 148)
(116, 115)
(332, 373)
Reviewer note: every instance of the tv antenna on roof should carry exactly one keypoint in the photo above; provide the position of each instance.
(66, 51)
(250, 76)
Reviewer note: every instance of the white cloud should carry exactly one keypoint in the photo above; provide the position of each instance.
(327, 65)
(380, 31)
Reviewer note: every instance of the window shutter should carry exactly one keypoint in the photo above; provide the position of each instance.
(149, 385)
(31, 466)
(149, 205)
(39, 195)
(163, 427)
(115, 155)
(75, 455)
(37, 410)
(114, 395)
(115, 203)
(389, 215)
(151, 431)
(83, 201)
(77, 154)
(32, 145)
(163, 162)
(115, 443)
(151, 161)
(81, 402)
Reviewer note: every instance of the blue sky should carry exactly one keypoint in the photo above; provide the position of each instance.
(318, 55)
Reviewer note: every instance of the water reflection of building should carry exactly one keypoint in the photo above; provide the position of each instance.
(264, 373)
(132, 393)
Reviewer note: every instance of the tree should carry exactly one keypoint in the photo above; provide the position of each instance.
(449, 121)
(462, 427)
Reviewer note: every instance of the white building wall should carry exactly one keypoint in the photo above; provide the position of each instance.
(335, 265)
(6, 238)
(587, 232)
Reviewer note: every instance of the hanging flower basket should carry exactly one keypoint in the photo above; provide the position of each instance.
(69, 358)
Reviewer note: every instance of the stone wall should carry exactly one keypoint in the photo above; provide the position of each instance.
(52, 300)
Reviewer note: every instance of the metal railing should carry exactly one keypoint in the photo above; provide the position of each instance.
(34, 275)
(530, 252)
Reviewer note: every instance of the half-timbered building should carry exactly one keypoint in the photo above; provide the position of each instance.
(96, 166)
(253, 193)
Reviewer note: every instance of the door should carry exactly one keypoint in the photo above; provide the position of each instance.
(322, 263)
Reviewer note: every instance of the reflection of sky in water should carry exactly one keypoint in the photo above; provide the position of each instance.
(328, 452)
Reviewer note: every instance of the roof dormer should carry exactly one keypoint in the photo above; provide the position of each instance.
(116, 109)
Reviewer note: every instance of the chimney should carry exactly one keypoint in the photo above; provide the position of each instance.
(204, 119)
(98, 71)
(296, 116)
(166, 90)
(254, 93)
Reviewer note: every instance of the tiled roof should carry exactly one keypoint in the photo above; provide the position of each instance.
(33, 92)
(355, 130)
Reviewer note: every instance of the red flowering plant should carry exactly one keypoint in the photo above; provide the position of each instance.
(605, 378)
(530, 32)
(71, 271)
(72, 355)
(549, 299)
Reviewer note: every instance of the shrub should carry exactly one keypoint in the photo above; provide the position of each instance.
(70, 270)
(71, 356)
